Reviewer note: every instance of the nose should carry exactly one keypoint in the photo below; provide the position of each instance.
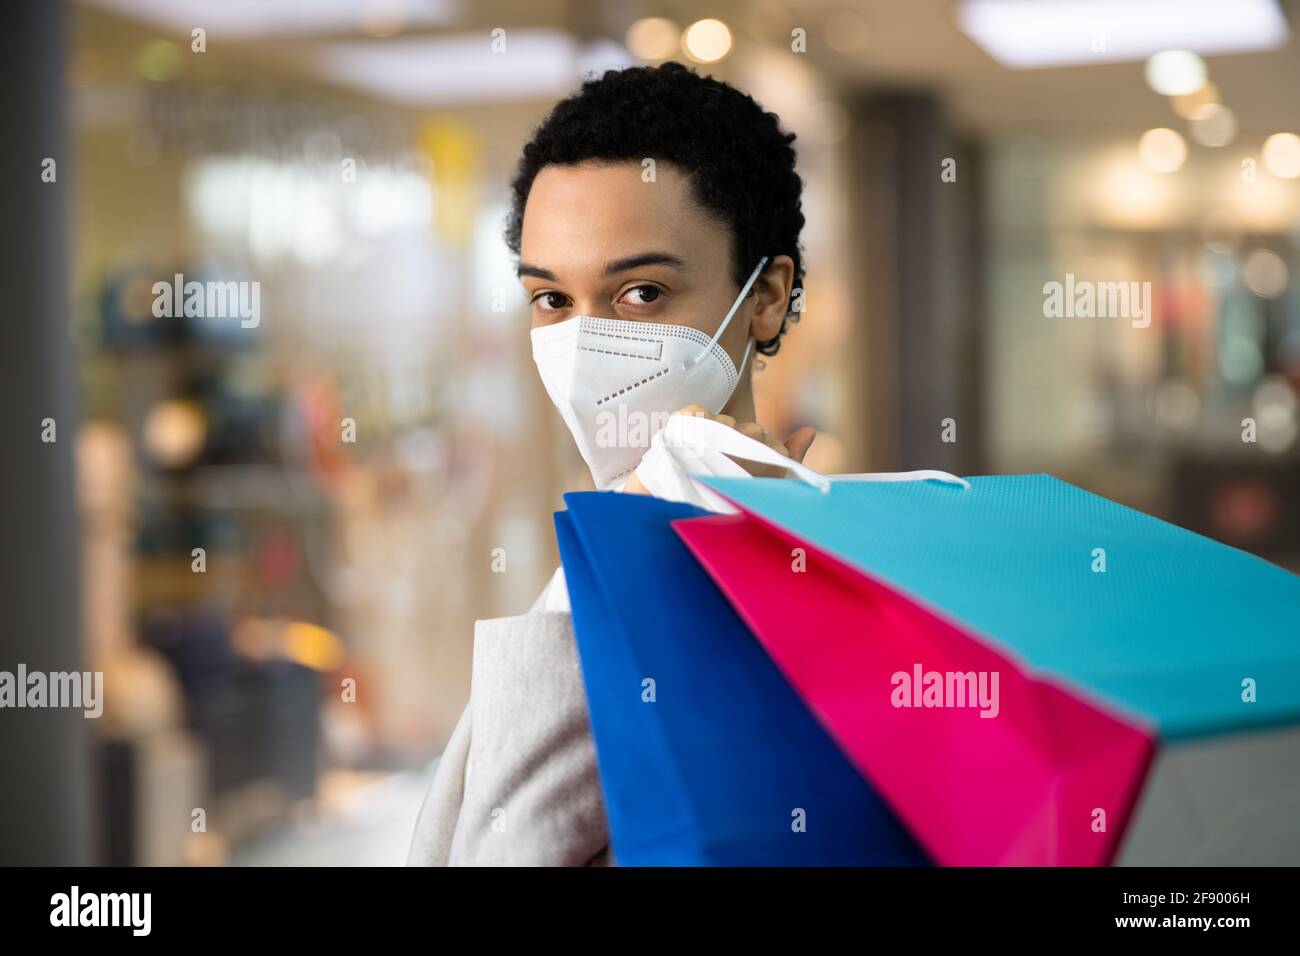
(595, 309)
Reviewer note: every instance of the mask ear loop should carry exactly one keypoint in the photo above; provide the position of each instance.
(753, 276)
(744, 358)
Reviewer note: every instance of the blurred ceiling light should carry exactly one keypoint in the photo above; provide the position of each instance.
(1265, 274)
(1281, 155)
(1214, 125)
(707, 41)
(1187, 104)
(461, 68)
(1129, 195)
(1024, 34)
(1175, 72)
(847, 31)
(653, 38)
(174, 432)
(247, 19)
(1162, 150)
(1264, 205)
(290, 210)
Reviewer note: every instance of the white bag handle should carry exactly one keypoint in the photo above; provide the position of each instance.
(710, 439)
(689, 446)
(701, 446)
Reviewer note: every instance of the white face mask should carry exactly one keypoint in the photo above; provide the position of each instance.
(616, 382)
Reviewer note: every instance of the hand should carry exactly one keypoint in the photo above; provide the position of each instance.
(796, 446)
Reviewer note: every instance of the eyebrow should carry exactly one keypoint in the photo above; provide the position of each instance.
(643, 259)
(612, 267)
(537, 272)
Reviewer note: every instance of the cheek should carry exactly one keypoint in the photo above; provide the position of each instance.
(737, 334)
(694, 309)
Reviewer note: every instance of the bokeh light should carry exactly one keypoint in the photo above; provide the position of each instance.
(1162, 150)
(1264, 273)
(1213, 125)
(653, 38)
(707, 41)
(1175, 72)
(174, 432)
(1186, 104)
(1281, 155)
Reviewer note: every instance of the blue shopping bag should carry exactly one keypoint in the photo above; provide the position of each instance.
(706, 755)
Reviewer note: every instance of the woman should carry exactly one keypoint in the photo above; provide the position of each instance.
(656, 222)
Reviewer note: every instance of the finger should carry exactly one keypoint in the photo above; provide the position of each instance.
(766, 437)
(759, 433)
(633, 485)
(697, 410)
(800, 441)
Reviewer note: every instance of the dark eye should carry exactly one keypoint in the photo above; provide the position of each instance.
(644, 294)
(551, 301)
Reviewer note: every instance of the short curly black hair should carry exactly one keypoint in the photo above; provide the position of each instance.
(741, 163)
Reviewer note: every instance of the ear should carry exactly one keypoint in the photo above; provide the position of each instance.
(772, 298)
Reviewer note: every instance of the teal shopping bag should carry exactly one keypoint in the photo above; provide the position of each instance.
(1175, 629)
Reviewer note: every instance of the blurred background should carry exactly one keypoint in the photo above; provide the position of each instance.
(273, 532)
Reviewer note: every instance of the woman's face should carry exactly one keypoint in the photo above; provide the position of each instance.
(598, 240)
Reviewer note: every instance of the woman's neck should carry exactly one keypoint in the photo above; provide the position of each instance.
(741, 404)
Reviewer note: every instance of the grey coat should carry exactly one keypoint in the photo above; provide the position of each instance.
(517, 783)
